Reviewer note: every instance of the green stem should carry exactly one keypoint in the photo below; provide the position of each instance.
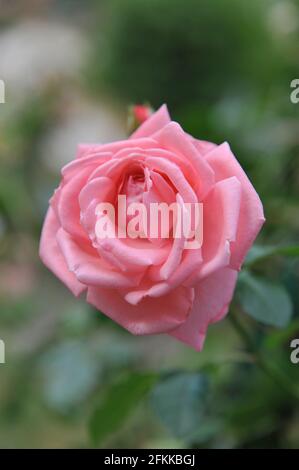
(270, 369)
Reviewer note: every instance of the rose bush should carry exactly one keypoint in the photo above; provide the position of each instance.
(153, 286)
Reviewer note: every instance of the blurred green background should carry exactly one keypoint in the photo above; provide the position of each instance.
(72, 377)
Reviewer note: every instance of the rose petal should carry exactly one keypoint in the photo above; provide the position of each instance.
(155, 122)
(67, 204)
(52, 257)
(89, 268)
(175, 139)
(212, 296)
(89, 150)
(191, 261)
(150, 316)
(91, 161)
(203, 146)
(221, 210)
(252, 217)
(175, 255)
(175, 175)
(133, 254)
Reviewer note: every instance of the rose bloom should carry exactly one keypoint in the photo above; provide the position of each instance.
(153, 286)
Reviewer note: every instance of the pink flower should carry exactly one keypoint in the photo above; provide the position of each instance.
(153, 286)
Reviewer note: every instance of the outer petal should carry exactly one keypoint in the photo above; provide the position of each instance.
(94, 192)
(87, 150)
(203, 146)
(157, 120)
(150, 316)
(251, 218)
(220, 225)
(90, 161)
(212, 297)
(66, 204)
(52, 257)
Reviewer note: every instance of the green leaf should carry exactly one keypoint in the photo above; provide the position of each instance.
(118, 402)
(263, 300)
(179, 401)
(258, 252)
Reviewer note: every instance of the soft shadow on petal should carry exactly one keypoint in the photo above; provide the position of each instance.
(221, 211)
(90, 161)
(66, 205)
(203, 146)
(150, 316)
(100, 150)
(173, 137)
(52, 257)
(252, 217)
(212, 297)
(89, 268)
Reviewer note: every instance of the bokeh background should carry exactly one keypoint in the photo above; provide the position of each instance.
(72, 378)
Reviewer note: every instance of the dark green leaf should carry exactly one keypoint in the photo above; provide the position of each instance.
(263, 300)
(117, 404)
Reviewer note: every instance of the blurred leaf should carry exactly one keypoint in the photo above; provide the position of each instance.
(78, 319)
(115, 351)
(290, 279)
(258, 252)
(179, 401)
(264, 300)
(209, 428)
(118, 402)
(275, 340)
(14, 199)
(70, 372)
(15, 311)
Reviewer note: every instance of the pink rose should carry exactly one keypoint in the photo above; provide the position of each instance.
(153, 286)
